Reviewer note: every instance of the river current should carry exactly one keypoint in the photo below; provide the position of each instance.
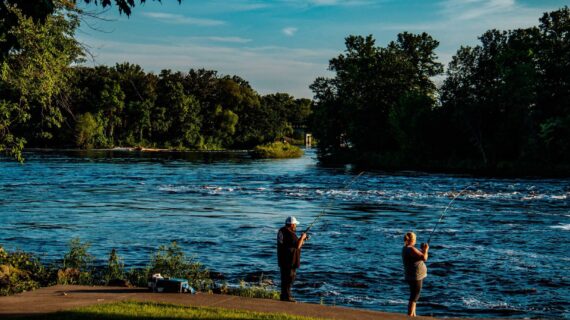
(502, 249)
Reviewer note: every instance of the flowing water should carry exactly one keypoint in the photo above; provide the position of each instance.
(501, 251)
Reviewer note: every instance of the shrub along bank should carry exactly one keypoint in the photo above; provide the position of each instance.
(21, 271)
(277, 150)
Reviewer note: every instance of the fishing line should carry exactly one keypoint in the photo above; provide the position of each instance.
(448, 206)
(329, 205)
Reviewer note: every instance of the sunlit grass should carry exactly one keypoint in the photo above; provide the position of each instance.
(149, 310)
(277, 150)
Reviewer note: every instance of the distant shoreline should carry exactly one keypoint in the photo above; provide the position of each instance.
(137, 149)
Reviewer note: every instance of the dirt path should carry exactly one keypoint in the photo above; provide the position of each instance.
(57, 298)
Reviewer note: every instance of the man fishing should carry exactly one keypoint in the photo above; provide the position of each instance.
(289, 255)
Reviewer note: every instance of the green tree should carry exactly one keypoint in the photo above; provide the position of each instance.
(278, 111)
(356, 111)
(115, 268)
(88, 131)
(185, 129)
(177, 112)
(225, 122)
(553, 93)
(140, 95)
(240, 102)
(33, 77)
(493, 92)
(112, 102)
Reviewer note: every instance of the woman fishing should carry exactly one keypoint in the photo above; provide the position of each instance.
(414, 268)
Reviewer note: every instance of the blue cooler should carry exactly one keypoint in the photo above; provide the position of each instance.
(173, 285)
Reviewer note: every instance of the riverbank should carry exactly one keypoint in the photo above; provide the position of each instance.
(219, 208)
(59, 298)
(136, 149)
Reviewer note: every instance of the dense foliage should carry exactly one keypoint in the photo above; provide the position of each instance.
(46, 102)
(21, 271)
(277, 150)
(125, 106)
(504, 105)
(33, 73)
(170, 261)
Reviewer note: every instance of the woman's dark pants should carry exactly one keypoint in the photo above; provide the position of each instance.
(415, 289)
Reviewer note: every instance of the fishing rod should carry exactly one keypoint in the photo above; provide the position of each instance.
(448, 206)
(329, 205)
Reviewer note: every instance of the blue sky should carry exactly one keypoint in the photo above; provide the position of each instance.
(283, 45)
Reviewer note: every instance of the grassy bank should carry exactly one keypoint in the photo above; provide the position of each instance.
(277, 150)
(146, 310)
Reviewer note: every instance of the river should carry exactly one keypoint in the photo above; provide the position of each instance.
(501, 250)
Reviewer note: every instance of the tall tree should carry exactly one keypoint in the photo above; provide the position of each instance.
(34, 76)
(354, 108)
(553, 94)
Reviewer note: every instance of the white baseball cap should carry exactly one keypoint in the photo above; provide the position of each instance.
(291, 220)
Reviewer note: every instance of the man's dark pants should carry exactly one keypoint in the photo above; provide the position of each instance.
(287, 277)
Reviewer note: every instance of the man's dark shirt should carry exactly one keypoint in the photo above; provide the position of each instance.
(288, 256)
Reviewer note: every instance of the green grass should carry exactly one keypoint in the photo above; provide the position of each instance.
(277, 150)
(259, 292)
(148, 310)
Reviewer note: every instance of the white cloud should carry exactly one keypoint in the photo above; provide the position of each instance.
(289, 31)
(346, 3)
(228, 39)
(474, 9)
(325, 2)
(230, 6)
(181, 19)
(330, 3)
(461, 22)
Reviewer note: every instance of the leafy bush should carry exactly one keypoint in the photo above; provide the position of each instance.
(115, 268)
(170, 261)
(77, 257)
(277, 150)
(138, 277)
(76, 264)
(21, 271)
(88, 131)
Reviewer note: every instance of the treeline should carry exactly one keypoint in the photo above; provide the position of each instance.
(48, 100)
(125, 106)
(504, 106)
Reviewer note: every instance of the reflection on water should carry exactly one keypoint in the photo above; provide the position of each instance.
(501, 250)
